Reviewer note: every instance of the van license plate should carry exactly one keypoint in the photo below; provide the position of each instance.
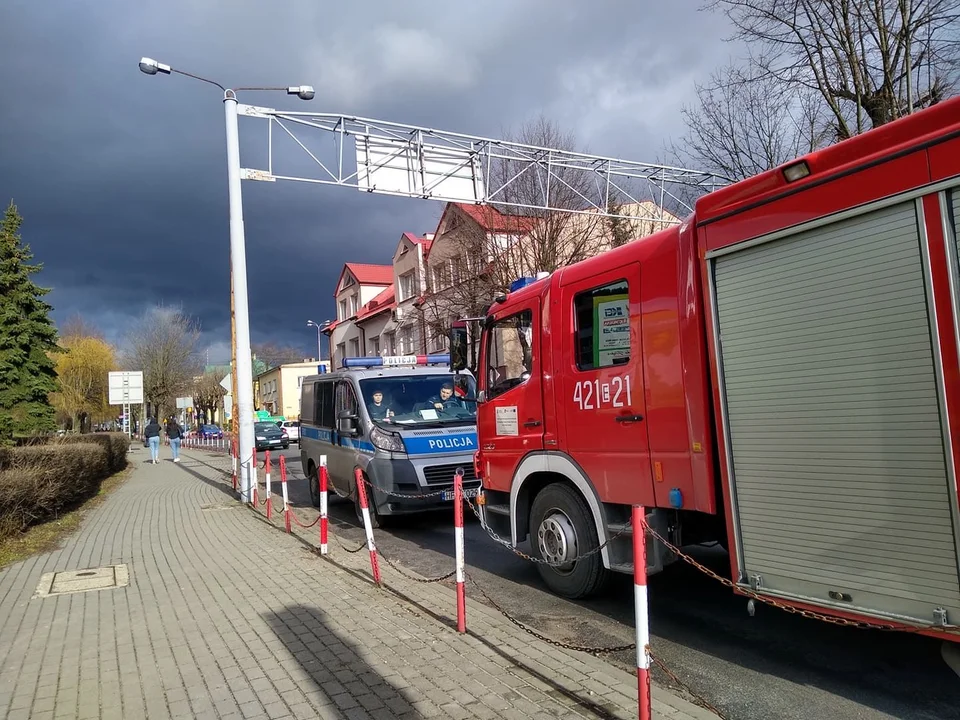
(467, 493)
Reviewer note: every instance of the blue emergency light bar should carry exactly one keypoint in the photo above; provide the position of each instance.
(396, 361)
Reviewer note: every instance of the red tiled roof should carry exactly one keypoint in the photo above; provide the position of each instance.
(492, 220)
(366, 275)
(386, 300)
(372, 274)
(419, 241)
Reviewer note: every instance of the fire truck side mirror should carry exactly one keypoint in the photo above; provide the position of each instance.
(458, 346)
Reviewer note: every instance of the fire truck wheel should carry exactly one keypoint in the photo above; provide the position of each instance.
(312, 481)
(562, 528)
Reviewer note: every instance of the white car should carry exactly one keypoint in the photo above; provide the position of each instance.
(292, 428)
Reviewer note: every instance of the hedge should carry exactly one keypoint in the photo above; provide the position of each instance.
(40, 482)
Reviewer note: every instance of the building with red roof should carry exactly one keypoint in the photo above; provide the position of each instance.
(358, 285)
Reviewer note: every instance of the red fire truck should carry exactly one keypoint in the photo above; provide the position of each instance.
(778, 373)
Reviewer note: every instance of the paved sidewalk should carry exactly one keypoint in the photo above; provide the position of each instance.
(225, 616)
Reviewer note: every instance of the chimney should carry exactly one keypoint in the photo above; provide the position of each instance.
(428, 236)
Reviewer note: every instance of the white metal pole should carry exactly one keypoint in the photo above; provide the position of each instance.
(319, 353)
(238, 260)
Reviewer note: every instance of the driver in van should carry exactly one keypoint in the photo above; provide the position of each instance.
(446, 399)
(377, 409)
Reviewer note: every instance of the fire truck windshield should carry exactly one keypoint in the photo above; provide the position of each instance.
(441, 399)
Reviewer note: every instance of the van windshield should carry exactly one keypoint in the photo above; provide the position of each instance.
(441, 399)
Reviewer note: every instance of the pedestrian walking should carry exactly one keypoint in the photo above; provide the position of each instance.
(175, 435)
(152, 433)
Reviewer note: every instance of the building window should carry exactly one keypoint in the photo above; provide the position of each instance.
(391, 343)
(375, 345)
(441, 276)
(354, 305)
(355, 347)
(461, 269)
(343, 310)
(408, 282)
(603, 326)
(406, 341)
(341, 352)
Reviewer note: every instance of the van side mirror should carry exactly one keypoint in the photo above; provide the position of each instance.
(347, 422)
(458, 346)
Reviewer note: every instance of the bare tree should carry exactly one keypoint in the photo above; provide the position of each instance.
(553, 238)
(742, 125)
(208, 394)
(869, 61)
(274, 355)
(76, 326)
(163, 346)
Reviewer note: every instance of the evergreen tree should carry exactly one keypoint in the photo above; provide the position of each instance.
(28, 338)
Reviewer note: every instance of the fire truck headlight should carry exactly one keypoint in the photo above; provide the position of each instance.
(391, 442)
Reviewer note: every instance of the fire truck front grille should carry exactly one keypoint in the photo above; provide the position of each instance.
(443, 474)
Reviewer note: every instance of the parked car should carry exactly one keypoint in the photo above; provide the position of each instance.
(293, 430)
(269, 436)
(210, 431)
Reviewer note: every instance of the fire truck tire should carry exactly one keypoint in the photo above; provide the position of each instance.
(561, 525)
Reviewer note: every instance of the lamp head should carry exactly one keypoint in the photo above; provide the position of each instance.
(150, 66)
(304, 92)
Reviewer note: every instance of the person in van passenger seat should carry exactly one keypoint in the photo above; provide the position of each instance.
(377, 409)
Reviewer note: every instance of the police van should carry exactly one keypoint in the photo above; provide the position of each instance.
(408, 422)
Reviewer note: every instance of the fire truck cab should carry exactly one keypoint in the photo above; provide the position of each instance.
(594, 396)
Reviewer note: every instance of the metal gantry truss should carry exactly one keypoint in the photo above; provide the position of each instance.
(409, 161)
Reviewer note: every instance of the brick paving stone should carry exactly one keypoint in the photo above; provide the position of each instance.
(210, 626)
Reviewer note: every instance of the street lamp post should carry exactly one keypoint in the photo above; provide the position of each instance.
(238, 264)
(311, 323)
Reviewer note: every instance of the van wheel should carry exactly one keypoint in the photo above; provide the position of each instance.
(376, 520)
(313, 479)
(562, 528)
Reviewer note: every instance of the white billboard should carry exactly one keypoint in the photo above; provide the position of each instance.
(125, 387)
(406, 167)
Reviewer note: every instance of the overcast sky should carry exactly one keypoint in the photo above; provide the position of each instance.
(121, 177)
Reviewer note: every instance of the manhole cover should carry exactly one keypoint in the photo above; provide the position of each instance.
(86, 580)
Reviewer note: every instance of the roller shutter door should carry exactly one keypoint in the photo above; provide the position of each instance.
(956, 214)
(834, 417)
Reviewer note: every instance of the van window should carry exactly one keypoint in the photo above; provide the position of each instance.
(323, 410)
(509, 353)
(307, 400)
(421, 399)
(603, 326)
(346, 398)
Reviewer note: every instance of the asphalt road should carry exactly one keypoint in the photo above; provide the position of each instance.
(770, 666)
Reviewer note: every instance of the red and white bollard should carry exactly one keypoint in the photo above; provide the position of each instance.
(365, 511)
(642, 616)
(254, 481)
(323, 479)
(233, 463)
(269, 501)
(458, 534)
(286, 498)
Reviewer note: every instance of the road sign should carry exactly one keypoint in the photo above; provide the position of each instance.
(125, 387)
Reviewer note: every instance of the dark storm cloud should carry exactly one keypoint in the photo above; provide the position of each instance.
(121, 177)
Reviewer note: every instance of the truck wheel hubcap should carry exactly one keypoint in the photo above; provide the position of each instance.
(557, 541)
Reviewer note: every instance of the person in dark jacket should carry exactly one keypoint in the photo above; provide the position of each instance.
(152, 433)
(175, 435)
